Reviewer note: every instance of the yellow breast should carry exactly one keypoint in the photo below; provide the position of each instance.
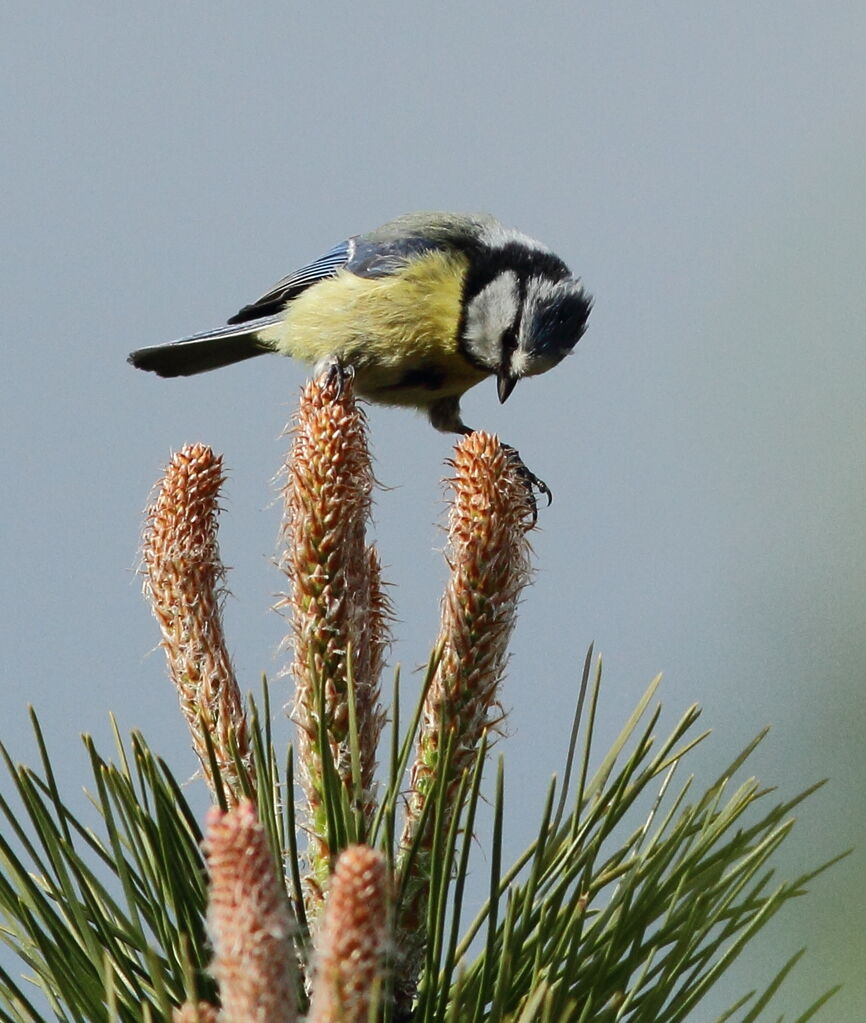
(398, 332)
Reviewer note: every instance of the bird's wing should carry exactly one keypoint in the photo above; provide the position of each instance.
(360, 255)
(276, 297)
(381, 258)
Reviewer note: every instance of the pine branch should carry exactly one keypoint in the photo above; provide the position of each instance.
(634, 898)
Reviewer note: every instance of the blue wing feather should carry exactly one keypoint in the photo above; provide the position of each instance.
(383, 258)
(274, 300)
(358, 255)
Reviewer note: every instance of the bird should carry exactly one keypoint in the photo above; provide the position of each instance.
(418, 310)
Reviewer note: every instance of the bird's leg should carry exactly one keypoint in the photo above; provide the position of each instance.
(337, 375)
(529, 478)
(445, 416)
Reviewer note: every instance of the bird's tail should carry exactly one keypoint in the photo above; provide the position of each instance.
(208, 350)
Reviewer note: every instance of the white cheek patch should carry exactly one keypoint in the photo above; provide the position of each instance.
(489, 315)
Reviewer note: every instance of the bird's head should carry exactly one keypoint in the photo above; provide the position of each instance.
(523, 324)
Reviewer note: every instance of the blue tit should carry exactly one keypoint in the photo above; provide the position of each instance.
(420, 310)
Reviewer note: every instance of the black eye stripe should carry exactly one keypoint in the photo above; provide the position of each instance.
(509, 340)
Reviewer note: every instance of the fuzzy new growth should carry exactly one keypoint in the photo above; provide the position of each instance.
(339, 614)
(249, 920)
(488, 554)
(183, 580)
(489, 558)
(195, 1012)
(339, 634)
(352, 939)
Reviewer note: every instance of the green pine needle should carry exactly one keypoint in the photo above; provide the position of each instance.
(636, 895)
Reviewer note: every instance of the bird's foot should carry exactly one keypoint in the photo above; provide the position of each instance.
(530, 480)
(337, 375)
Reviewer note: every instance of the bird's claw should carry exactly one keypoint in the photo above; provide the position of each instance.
(530, 480)
(336, 376)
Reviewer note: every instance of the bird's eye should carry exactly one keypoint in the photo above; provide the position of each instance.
(508, 342)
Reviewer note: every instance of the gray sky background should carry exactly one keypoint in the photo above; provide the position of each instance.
(701, 166)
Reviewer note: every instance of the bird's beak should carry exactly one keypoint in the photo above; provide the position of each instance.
(505, 384)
